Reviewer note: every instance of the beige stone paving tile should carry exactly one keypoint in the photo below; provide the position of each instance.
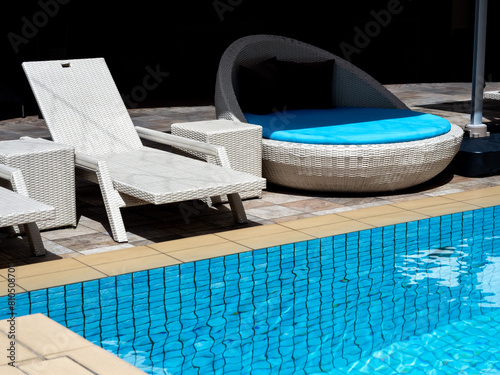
(273, 212)
(44, 268)
(446, 209)
(370, 212)
(209, 251)
(407, 197)
(336, 228)
(254, 203)
(56, 234)
(420, 203)
(258, 231)
(278, 239)
(117, 255)
(22, 353)
(86, 241)
(4, 288)
(100, 361)
(393, 218)
(280, 198)
(55, 248)
(136, 264)
(108, 248)
(284, 219)
(60, 278)
(55, 366)
(187, 243)
(315, 204)
(9, 370)
(490, 201)
(315, 221)
(44, 336)
(444, 192)
(479, 193)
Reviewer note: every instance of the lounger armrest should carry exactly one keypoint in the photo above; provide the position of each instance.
(86, 161)
(15, 177)
(6, 172)
(218, 152)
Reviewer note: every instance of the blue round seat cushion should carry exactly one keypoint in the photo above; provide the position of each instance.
(349, 125)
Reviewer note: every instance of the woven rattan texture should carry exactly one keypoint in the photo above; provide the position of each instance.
(94, 123)
(82, 107)
(367, 168)
(243, 144)
(48, 170)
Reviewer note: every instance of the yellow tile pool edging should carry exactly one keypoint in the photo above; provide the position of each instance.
(37, 350)
(112, 263)
(37, 345)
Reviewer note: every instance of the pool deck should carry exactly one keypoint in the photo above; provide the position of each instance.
(159, 236)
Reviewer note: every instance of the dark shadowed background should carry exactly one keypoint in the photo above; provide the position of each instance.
(396, 41)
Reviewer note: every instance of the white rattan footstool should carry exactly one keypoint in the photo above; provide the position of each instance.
(243, 143)
(49, 171)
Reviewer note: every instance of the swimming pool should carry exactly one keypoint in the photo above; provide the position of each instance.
(408, 298)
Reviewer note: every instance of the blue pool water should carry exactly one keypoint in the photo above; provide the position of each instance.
(418, 298)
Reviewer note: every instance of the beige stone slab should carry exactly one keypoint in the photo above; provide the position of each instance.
(314, 221)
(101, 362)
(210, 251)
(337, 228)
(117, 255)
(394, 218)
(60, 278)
(67, 232)
(4, 288)
(446, 209)
(489, 201)
(44, 336)
(278, 239)
(44, 268)
(370, 211)
(21, 353)
(253, 232)
(421, 203)
(472, 194)
(187, 243)
(137, 264)
(55, 366)
(9, 370)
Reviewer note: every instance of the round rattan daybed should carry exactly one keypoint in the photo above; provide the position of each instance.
(335, 168)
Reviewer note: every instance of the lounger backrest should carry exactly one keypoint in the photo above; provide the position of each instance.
(81, 105)
(351, 86)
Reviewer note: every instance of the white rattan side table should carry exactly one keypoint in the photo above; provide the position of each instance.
(49, 171)
(243, 143)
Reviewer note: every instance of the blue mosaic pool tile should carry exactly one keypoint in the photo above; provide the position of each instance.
(299, 308)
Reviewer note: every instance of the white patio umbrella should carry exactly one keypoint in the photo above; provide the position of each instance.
(476, 127)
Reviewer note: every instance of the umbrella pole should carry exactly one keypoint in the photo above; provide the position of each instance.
(476, 128)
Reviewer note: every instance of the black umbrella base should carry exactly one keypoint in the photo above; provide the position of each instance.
(478, 157)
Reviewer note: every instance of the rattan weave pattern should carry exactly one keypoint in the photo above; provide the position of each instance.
(492, 95)
(360, 168)
(83, 108)
(365, 168)
(48, 170)
(16, 208)
(243, 144)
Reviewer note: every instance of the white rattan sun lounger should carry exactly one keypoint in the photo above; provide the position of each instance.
(83, 108)
(16, 208)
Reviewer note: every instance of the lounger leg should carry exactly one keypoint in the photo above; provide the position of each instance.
(34, 239)
(112, 202)
(237, 208)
